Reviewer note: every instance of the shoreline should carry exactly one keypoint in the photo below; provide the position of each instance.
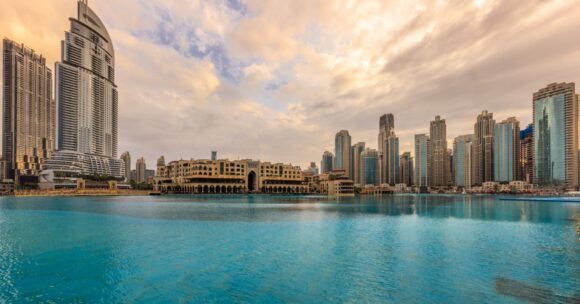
(108, 192)
(75, 192)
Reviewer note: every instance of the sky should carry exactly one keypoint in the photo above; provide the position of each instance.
(276, 80)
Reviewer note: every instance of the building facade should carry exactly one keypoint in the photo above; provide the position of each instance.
(126, 158)
(406, 169)
(86, 93)
(386, 127)
(28, 129)
(555, 112)
(422, 158)
(327, 163)
(483, 148)
(462, 156)
(391, 160)
(369, 168)
(140, 168)
(506, 150)
(357, 150)
(342, 145)
(226, 176)
(527, 154)
(438, 151)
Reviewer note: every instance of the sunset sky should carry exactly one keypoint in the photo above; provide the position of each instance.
(275, 80)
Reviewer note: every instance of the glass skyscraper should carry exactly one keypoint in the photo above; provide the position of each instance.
(369, 168)
(327, 163)
(556, 135)
(422, 160)
(506, 150)
(392, 159)
(462, 160)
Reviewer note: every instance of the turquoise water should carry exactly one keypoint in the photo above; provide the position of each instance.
(261, 249)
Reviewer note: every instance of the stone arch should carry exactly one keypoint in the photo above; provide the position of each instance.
(252, 181)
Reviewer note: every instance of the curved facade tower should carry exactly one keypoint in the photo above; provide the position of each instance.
(86, 92)
(87, 98)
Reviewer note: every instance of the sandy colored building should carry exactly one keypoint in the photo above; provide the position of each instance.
(227, 176)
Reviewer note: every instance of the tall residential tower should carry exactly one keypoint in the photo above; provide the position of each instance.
(483, 148)
(422, 158)
(342, 152)
(439, 159)
(28, 130)
(87, 99)
(506, 150)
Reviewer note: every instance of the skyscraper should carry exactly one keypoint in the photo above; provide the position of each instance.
(87, 98)
(462, 160)
(391, 159)
(450, 169)
(527, 154)
(406, 169)
(386, 126)
(327, 163)
(342, 152)
(140, 170)
(357, 149)
(483, 148)
(126, 157)
(369, 168)
(555, 109)
(28, 133)
(439, 159)
(506, 150)
(422, 158)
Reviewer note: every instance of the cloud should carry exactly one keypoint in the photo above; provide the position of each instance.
(275, 80)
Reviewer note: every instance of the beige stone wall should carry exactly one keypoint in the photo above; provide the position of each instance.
(225, 176)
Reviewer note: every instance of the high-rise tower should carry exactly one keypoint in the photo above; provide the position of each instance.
(439, 161)
(342, 152)
(327, 163)
(28, 110)
(422, 159)
(506, 150)
(357, 149)
(483, 148)
(87, 99)
(556, 135)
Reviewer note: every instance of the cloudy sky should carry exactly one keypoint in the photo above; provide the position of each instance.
(275, 80)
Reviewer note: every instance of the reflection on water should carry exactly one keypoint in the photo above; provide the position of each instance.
(401, 248)
(530, 293)
(268, 208)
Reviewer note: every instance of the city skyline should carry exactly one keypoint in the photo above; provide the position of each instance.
(288, 90)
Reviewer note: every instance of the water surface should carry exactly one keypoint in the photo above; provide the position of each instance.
(264, 249)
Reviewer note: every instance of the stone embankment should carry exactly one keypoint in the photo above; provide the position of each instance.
(79, 192)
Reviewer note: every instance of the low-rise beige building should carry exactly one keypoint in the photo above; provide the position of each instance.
(226, 176)
(335, 183)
